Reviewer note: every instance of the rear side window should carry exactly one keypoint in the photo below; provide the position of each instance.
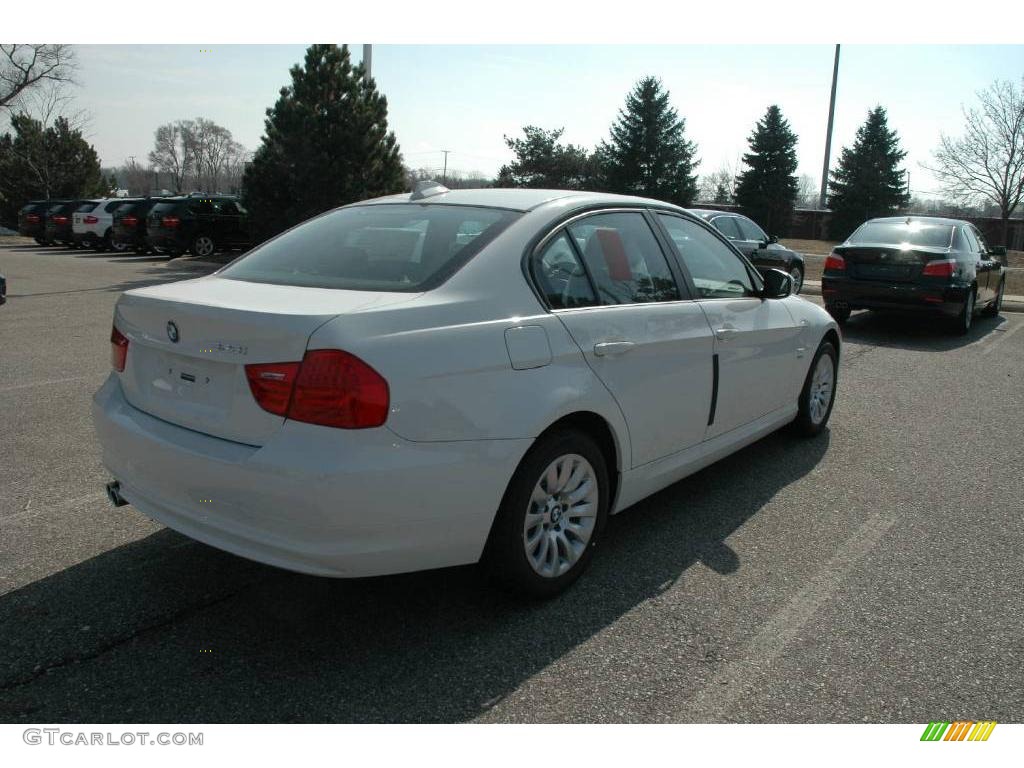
(561, 276)
(399, 247)
(623, 259)
(914, 233)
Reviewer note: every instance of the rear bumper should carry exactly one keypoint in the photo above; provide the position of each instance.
(312, 499)
(899, 297)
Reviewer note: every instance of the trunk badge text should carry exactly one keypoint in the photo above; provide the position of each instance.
(172, 331)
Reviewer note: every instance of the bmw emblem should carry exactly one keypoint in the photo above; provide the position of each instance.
(172, 331)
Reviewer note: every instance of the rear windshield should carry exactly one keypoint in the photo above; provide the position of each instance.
(86, 207)
(914, 233)
(166, 207)
(401, 247)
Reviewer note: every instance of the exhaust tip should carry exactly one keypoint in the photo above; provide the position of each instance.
(114, 494)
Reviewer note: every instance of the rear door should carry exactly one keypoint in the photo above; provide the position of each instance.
(609, 282)
(229, 218)
(755, 340)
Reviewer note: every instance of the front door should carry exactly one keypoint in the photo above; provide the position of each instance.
(610, 284)
(756, 339)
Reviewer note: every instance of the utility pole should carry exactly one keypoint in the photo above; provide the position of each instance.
(367, 60)
(444, 173)
(828, 133)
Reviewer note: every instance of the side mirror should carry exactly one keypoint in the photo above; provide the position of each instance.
(777, 284)
(773, 239)
(999, 253)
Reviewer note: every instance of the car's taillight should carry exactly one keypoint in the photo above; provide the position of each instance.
(940, 268)
(835, 263)
(32, 218)
(60, 219)
(170, 222)
(129, 221)
(271, 385)
(330, 388)
(89, 219)
(118, 349)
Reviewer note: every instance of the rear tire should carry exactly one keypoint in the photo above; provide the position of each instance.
(819, 392)
(551, 516)
(839, 314)
(992, 310)
(202, 246)
(966, 316)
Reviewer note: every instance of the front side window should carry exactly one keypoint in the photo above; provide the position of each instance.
(727, 226)
(623, 259)
(390, 247)
(717, 272)
(561, 276)
(750, 231)
(227, 208)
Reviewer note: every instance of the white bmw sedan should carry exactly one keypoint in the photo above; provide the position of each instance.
(450, 377)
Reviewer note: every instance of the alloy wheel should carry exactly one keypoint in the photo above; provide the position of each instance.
(203, 246)
(822, 383)
(798, 279)
(561, 515)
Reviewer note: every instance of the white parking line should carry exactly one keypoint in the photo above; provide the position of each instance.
(714, 701)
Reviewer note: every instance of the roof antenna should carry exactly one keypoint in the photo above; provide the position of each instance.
(427, 188)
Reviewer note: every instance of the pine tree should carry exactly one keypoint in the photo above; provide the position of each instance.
(647, 153)
(766, 190)
(327, 144)
(44, 163)
(868, 181)
(543, 162)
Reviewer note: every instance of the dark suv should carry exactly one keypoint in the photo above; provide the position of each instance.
(59, 221)
(129, 227)
(32, 220)
(201, 224)
(763, 251)
(916, 264)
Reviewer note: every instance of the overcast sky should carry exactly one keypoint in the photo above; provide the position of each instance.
(465, 98)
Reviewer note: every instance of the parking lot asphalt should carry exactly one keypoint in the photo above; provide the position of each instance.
(874, 574)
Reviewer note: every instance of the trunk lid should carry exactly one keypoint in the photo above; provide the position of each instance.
(887, 263)
(221, 325)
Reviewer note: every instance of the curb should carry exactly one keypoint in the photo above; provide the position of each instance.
(1010, 303)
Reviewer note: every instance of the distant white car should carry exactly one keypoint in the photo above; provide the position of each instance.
(433, 379)
(92, 223)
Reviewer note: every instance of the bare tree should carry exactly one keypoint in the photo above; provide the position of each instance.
(171, 153)
(987, 162)
(807, 192)
(718, 187)
(23, 68)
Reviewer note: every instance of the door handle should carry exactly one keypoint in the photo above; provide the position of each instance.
(604, 348)
(725, 334)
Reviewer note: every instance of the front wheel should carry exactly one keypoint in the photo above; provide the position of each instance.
(819, 392)
(797, 275)
(997, 304)
(551, 516)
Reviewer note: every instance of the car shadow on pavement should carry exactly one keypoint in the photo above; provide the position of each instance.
(914, 332)
(164, 629)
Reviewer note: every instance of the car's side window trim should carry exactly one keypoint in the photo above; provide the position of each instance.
(755, 276)
(562, 227)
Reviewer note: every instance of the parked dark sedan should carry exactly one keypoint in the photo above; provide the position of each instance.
(915, 263)
(59, 221)
(31, 220)
(201, 224)
(763, 251)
